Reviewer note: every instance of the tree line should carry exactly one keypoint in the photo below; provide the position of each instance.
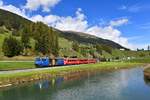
(45, 37)
(99, 48)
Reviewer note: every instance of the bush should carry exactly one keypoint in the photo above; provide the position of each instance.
(99, 49)
(2, 30)
(107, 49)
(11, 47)
(75, 46)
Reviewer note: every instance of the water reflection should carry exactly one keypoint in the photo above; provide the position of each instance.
(116, 85)
(50, 83)
(147, 81)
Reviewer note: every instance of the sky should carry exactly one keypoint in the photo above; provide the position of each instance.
(126, 22)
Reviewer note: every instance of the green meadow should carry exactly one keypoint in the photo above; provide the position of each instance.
(61, 70)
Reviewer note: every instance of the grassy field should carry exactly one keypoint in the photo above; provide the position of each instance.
(28, 65)
(61, 70)
(140, 60)
(16, 65)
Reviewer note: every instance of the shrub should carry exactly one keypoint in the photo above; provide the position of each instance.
(11, 47)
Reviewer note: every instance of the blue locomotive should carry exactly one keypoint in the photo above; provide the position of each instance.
(46, 62)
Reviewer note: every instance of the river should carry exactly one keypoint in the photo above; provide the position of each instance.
(125, 84)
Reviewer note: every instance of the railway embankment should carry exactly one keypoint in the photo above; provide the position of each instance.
(21, 77)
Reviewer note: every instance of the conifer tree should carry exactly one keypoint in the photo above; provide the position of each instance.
(25, 39)
(11, 47)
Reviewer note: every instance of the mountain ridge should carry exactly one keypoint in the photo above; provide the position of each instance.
(90, 39)
(15, 21)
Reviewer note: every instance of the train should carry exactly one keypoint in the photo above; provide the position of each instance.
(49, 62)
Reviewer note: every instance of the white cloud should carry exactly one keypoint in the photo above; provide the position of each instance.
(119, 22)
(45, 4)
(77, 23)
(37, 18)
(80, 24)
(123, 7)
(135, 8)
(108, 32)
(1, 2)
(13, 9)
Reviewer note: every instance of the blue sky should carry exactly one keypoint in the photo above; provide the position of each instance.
(126, 22)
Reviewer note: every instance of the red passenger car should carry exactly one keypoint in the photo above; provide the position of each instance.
(76, 61)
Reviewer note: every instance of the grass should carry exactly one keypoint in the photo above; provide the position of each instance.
(67, 51)
(1, 41)
(16, 65)
(17, 58)
(147, 70)
(140, 60)
(61, 70)
(65, 43)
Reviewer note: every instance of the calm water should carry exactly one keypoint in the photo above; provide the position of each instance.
(116, 85)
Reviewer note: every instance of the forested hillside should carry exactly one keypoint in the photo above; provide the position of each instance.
(38, 38)
(12, 21)
(19, 32)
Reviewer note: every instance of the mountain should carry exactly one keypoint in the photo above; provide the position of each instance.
(15, 22)
(11, 20)
(89, 39)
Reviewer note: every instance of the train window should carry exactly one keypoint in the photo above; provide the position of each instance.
(38, 59)
(43, 59)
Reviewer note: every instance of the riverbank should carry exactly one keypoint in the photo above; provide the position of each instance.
(20, 62)
(147, 72)
(9, 79)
